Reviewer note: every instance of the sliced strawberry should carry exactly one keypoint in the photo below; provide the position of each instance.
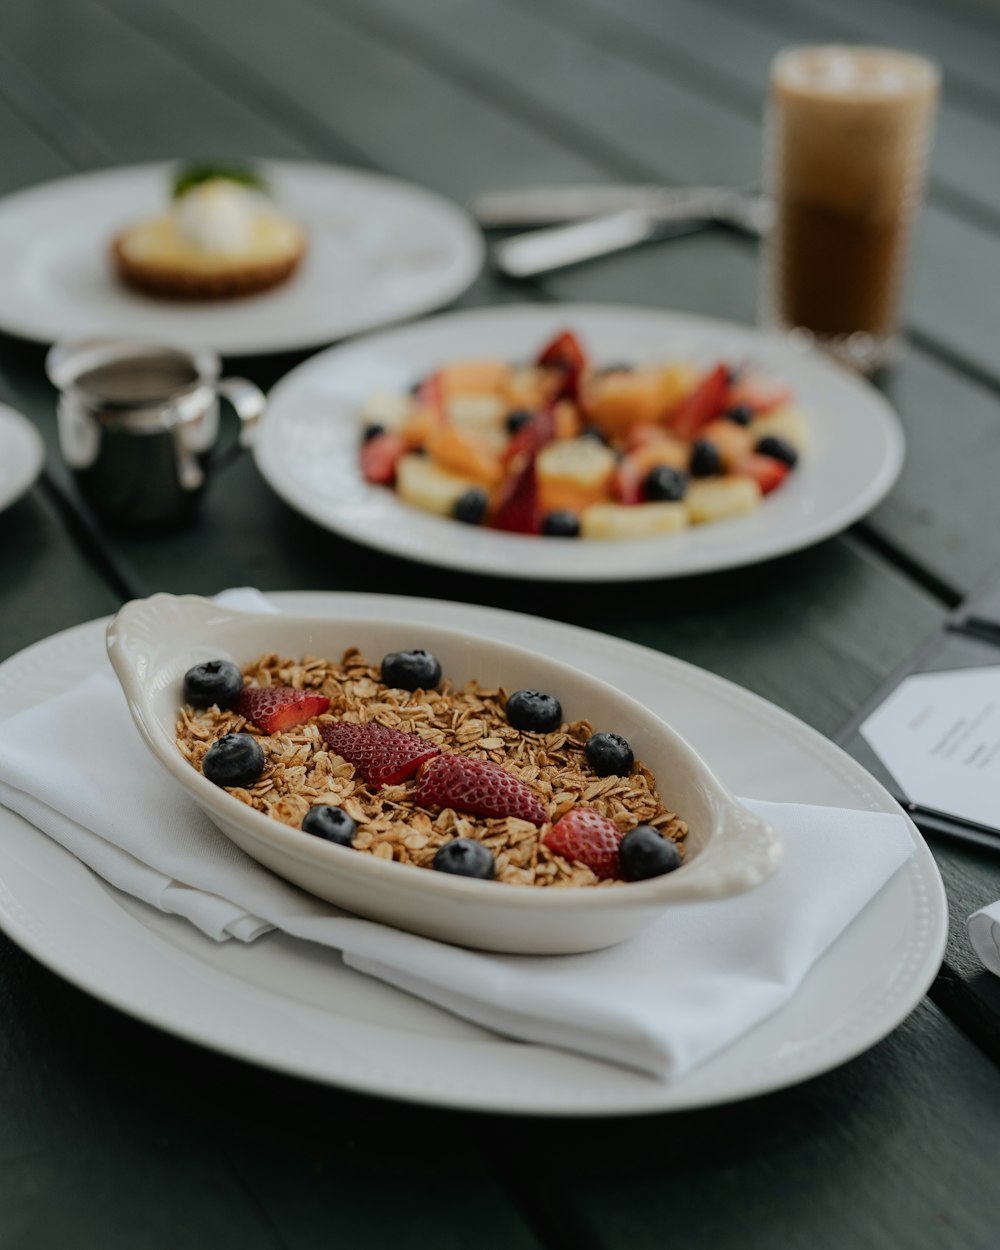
(383, 756)
(517, 509)
(628, 480)
(767, 471)
(564, 352)
(757, 394)
(430, 394)
(586, 836)
(704, 404)
(379, 456)
(478, 787)
(276, 708)
(531, 437)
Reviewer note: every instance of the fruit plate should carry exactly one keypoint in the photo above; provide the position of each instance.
(290, 1006)
(307, 444)
(379, 250)
(22, 455)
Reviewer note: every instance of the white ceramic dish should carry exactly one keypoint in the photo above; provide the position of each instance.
(379, 250)
(152, 642)
(306, 445)
(22, 455)
(291, 1006)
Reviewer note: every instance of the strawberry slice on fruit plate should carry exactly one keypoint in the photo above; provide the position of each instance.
(585, 836)
(379, 457)
(477, 787)
(565, 353)
(767, 471)
(273, 709)
(382, 756)
(703, 404)
(517, 510)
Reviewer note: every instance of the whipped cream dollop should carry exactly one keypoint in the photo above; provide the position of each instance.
(219, 215)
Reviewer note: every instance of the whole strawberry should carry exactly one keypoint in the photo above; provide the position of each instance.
(383, 756)
(586, 836)
(478, 787)
(273, 709)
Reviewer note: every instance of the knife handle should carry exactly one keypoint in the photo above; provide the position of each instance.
(526, 255)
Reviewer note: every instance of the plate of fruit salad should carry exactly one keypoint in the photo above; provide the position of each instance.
(579, 442)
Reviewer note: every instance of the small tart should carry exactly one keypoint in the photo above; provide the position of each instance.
(155, 257)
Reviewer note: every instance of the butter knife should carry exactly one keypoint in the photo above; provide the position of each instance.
(542, 206)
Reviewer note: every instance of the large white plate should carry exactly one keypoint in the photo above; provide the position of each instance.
(22, 455)
(294, 1007)
(306, 446)
(379, 250)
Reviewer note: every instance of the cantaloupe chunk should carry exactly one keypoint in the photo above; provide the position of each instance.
(473, 377)
(714, 498)
(641, 520)
(677, 381)
(663, 450)
(420, 425)
(465, 455)
(616, 401)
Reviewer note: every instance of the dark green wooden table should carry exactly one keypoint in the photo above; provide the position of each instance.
(115, 1135)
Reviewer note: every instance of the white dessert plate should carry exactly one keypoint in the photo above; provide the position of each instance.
(294, 1007)
(306, 447)
(380, 250)
(22, 455)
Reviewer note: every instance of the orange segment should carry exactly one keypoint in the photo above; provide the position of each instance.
(473, 377)
(419, 426)
(615, 402)
(459, 453)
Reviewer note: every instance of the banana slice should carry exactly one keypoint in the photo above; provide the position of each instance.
(615, 520)
(426, 485)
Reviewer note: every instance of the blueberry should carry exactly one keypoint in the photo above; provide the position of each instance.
(470, 507)
(561, 524)
(665, 482)
(235, 760)
(534, 710)
(591, 431)
(517, 419)
(465, 857)
(609, 754)
(215, 681)
(411, 670)
(705, 459)
(780, 449)
(329, 822)
(372, 431)
(645, 852)
(740, 415)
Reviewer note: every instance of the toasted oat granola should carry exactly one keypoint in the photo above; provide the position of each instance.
(301, 770)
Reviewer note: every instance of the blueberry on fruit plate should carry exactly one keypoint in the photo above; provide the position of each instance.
(465, 857)
(411, 670)
(561, 524)
(644, 852)
(741, 414)
(235, 760)
(665, 483)
(609, 755)
(323, 820)
(214, 681)
(534, 710)
(778, 449)
(372, 431)
(517, 419)
(705, 459)
(471, 506)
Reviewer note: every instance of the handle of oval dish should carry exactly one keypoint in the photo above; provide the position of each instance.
(249, 403)
(743, 853)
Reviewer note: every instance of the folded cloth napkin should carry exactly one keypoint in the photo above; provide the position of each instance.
(984, 934)
(693, 982)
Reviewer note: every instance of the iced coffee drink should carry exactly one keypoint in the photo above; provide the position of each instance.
(848, 137)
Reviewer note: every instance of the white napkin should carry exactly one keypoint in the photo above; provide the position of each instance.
(693, 982)
(984, 934)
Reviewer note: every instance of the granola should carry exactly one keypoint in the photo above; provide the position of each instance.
(302, 771)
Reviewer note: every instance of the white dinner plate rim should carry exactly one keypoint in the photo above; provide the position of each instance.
(153, 321)
(207, 1025)
(26, 458)
(374, 517)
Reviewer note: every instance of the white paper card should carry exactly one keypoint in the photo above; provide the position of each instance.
(939, 736)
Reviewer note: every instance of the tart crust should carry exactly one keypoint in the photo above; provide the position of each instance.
(168, 273)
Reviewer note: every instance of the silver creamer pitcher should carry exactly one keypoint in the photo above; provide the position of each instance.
(138, 426)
